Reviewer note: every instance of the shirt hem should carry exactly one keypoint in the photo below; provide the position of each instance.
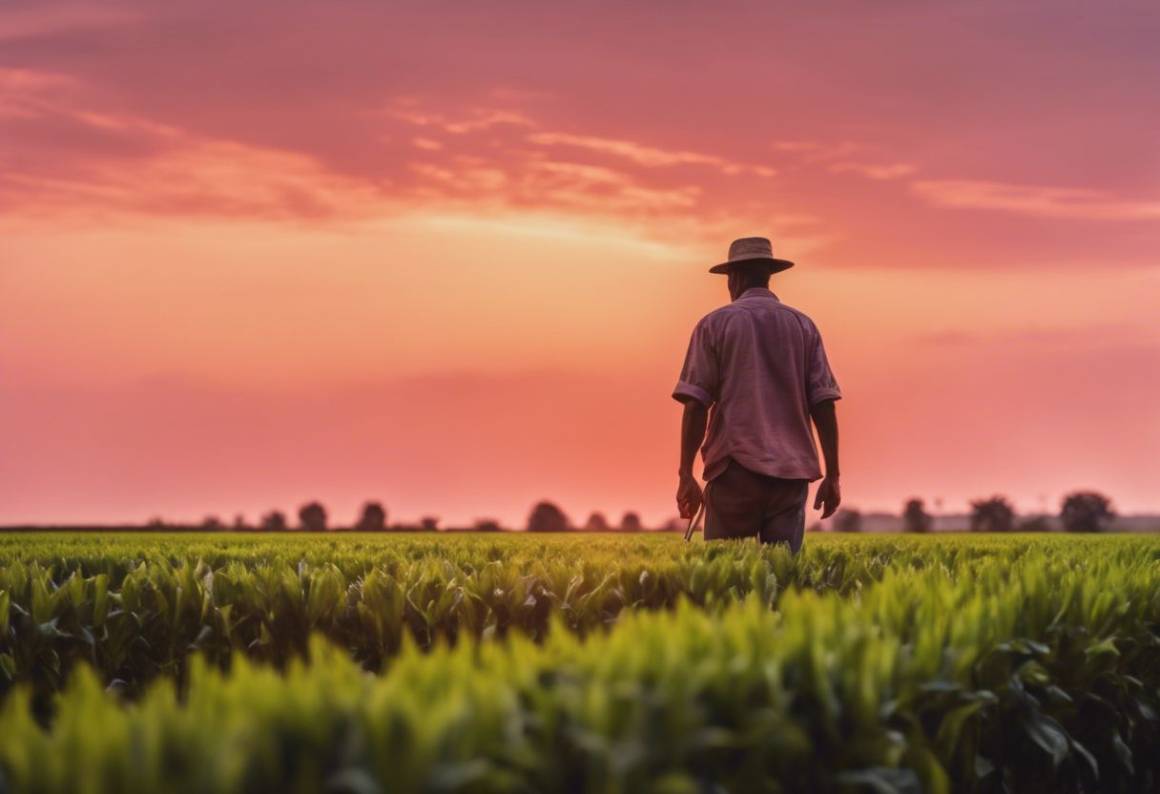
(716, 466)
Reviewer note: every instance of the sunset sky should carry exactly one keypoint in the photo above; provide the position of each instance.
(448, 255)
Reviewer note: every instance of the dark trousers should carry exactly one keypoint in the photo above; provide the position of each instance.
(740, 503)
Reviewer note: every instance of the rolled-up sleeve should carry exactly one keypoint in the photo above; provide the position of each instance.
(700, 375)
(821, 384)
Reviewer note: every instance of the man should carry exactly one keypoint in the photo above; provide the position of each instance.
(760, 368)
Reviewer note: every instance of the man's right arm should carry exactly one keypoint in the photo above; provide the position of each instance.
(826, 421)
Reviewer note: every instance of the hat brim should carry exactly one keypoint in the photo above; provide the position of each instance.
(775, 265)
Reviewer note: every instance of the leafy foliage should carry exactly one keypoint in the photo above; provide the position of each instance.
(1086, 511)
(914, 516)
(995, 514)
(547, 517)
(274, 521)
(866, 663)
(596, 523)
(312, 517)
(372, 519)
(630, 522)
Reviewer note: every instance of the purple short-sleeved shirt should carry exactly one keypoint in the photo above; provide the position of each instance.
(761, 366)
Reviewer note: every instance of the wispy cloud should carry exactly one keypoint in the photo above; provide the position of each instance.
(197, 178)
(645, 155)
(591, 187)
(26, 93)
(104, 163)
(474, 121)
(101, 164)
(74, 153)
(540, 184)
(807, 151)
(1036, 200)
(874, 171)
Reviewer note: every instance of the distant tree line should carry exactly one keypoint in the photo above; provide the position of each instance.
(1080, 511)
(313, 517)
(545, 516)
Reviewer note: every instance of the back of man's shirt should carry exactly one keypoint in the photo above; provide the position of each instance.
(761, 366)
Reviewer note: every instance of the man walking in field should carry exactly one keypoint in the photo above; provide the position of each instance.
(756, 374)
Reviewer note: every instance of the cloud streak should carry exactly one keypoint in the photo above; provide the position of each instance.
(872, 171)
(650, 156)
(1036, 200)
(101, 164)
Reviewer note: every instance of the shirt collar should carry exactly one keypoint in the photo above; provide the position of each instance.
(757, 292)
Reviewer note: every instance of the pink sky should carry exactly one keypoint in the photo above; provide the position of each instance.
(448, 255)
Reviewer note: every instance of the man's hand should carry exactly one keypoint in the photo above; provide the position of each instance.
(829, 497)
(688, 496)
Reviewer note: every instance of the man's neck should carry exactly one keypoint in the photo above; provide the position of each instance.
(758, 288)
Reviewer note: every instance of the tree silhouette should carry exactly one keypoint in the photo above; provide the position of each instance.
(240, 524)
(1086, 511)
(596, 523)
(212, 524)
(486, 525)
(312, 517)
(429, 523)
(274, 521)
(848, 520)
(630, 522)
(914, 516)
(992, 515)
(372, 519)
(546, 517)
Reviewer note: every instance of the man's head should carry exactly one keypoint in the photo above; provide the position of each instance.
(750, 264)
(746, 275)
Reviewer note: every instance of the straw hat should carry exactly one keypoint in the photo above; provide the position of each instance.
(752, 249)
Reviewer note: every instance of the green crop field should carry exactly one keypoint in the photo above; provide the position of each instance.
(495, 663)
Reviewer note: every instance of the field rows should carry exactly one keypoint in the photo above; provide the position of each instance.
(626, 664)
(137, 608)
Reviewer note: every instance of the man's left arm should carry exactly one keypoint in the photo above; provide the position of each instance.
(696, 389)
(693, 422)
